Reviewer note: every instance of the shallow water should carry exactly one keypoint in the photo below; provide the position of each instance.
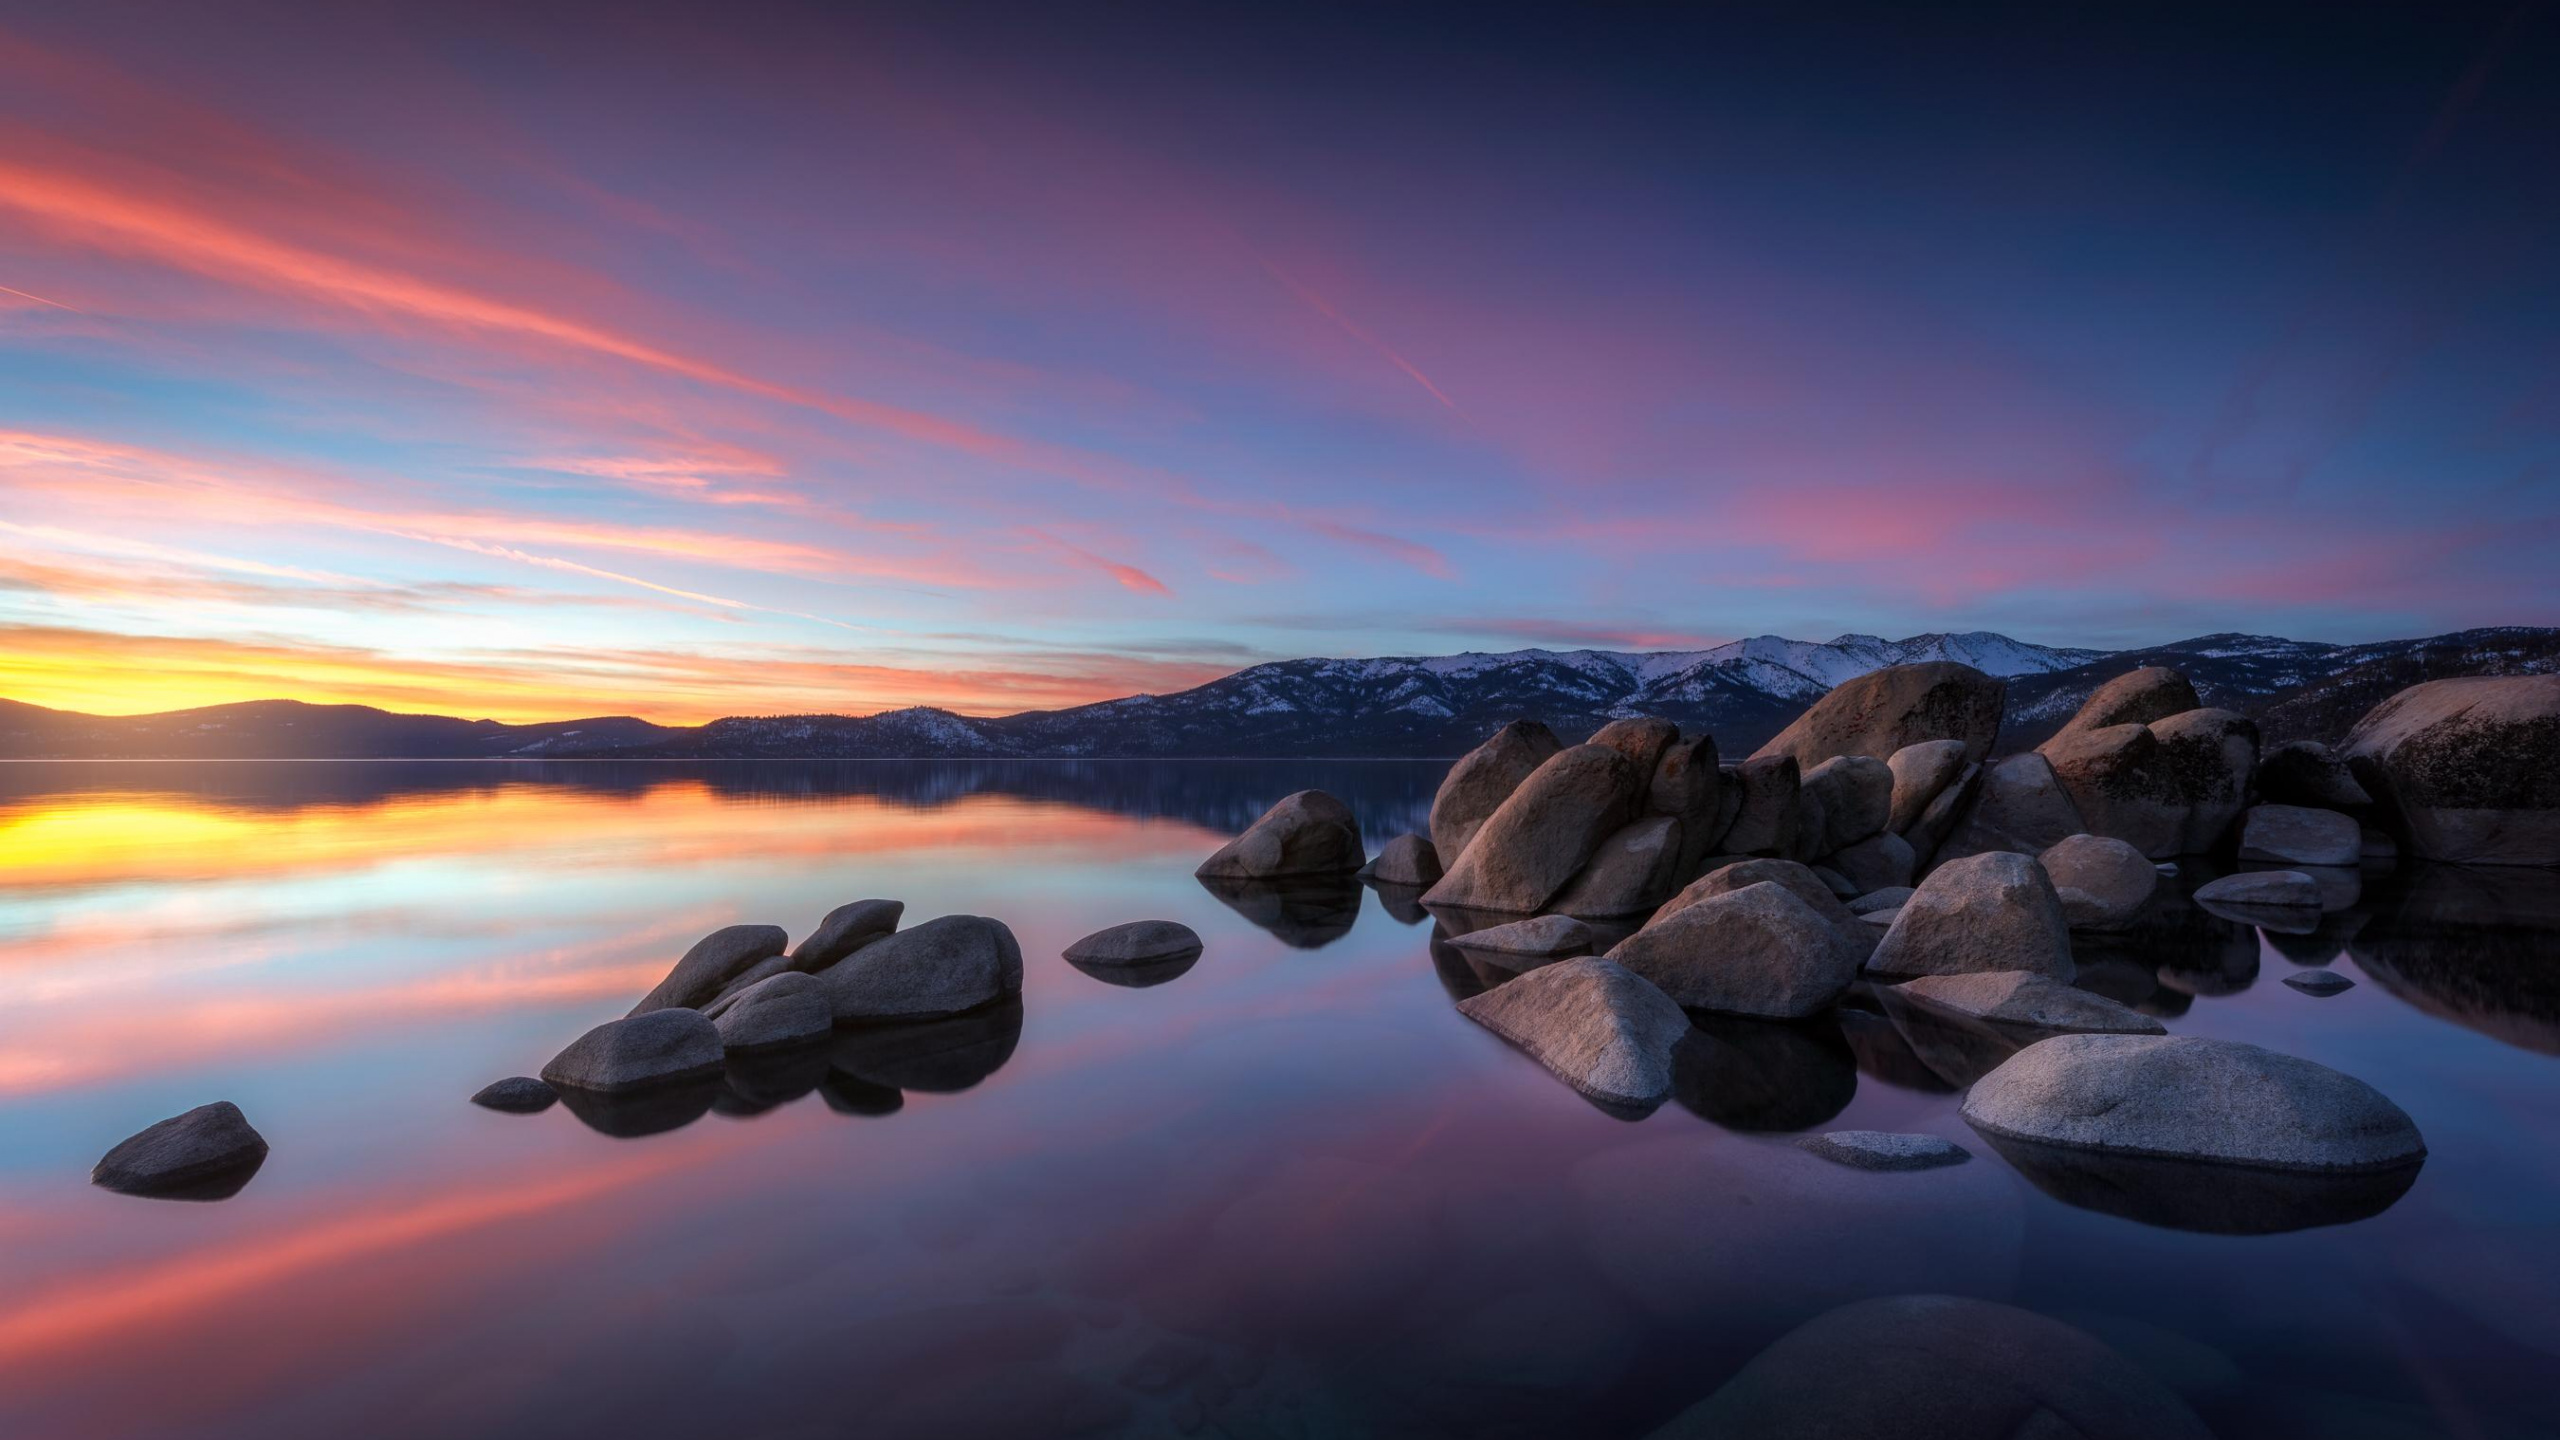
(1288, 1192)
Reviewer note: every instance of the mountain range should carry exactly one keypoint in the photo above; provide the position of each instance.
(1423, 706)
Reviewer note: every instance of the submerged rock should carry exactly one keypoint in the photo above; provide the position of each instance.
(845, 929)
(2469, 769)
(1524, 943)
(1757, 951)
(1308, 833)
(208, 1153)
(2192, 1098)
(714, 961)
(2104, 882)
(2292, 835)
(1884, 1150)
(1603, 1031)
(1544, 833)
(2027, 1001)
(779, 1013)
(2322, 983)
(945, 966)
(638, 1052)
(1885, 710)
(1994, 911)
(1136, 943)
(1482, 779)
(516, 1095)
(1408, 859)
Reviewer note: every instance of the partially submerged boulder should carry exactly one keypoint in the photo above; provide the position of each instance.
(1408, 859)
(777, 1013)
(639, 1052)
(1920, 773)
(2308, 773)
(1884, 1150)
(1633, 871)
(1482, 779)
(516, 1095)
(1525, 943)
(714, 961)
(1601, 1030)
(1994, 911)
(208, 1153)
(1544, 833)
(1305, 834)
(1138, 942)
(2261, 890)
(845, 929)
(2293, 835)
(2103, 882)
(945, 966)
(2468, 770)
(1884, 710)
(2320, 983)
(2193, 1098)
(2019, 1000)
(1758, 951)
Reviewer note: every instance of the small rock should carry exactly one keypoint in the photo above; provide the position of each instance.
(1883, 919)
(1889, 898)
(1523, 942)
(2292, 835)
(2017, 998)
(2104, 882)
(778, 1013)
(2167, 867)
(2261, 890)
(1139, 942)
(659, 1047)
(1994, 911)
(1408, 859)
(945, 966)
(714, 961)
(1603, 1031)
(846, 928)
(1757, 951)
(1308, 833)
(516, 1095)
(2322, 983)
(207, 1153)
(1884, 1150)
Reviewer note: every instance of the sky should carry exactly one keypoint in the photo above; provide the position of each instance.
(681, 361)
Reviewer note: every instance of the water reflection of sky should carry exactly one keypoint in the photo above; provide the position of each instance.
(1289, 1191)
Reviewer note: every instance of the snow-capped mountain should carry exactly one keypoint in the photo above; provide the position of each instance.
(1425, 705)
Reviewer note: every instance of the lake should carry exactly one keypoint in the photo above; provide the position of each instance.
(1288, 1192)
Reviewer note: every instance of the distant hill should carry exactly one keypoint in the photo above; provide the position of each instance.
(1743, 693)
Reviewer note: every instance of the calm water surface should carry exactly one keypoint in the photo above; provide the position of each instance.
(1287, 1193)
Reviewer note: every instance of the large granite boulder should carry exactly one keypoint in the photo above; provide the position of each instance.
(1689, 786)
(1847, 798)
(2294, 835)
(1993, 911)
(2136, 697)
(714, 961)
(1879, 862)
(1631, 873)
(2171, 786)
(1309, 833)
(1937, 1367)
(1482, 779)
(2310, 774)
(2018, 1000)
(1928, 834)
(2468, 770)
(2104, 883)
(1603, 1031)
(1766, 806)
(1920, 773)
(2017, 805)
(2192, 1098)
(208, 1153)
(1799, 880)
(1408, 859)
(1757, 951)
(777, 1013)
(945, 966)
(845, 929)
(1642, 739)
(1544, 833)
(639, 1052)
(1883, 710)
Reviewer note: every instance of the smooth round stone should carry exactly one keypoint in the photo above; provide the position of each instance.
(516, 1095)
(1884, 1150)
(207, 1153)
(2320, 982)
(1140, 942)
(657, 1047)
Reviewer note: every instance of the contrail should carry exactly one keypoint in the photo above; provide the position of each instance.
(56, 304)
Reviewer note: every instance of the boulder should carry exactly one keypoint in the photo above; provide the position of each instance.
(2191, 1098)
(2322, 983)
(2171, 787)
(1994, 911)
(2293, 835)
(1766, 806)
(1642, 739)
(1631, 873)
(1541, 836)
(2017, 805)
(2308, 773)
(1838, 883)
(1929, 833)
(1137, 943)
(1853, 795)
(2136, 697)
(1880, 920)
(1603, 1031)
(1936, 1367)
(1524, 943)
(945, 966)
(516, 1095)
(2468, 770)
(1884, 1150)
(846, 929)
(1689, 786)
(1757, 951)
(1482, 779)
(639, 1052)
(1309, 833)
(2018, 999)
(2104, 882)
(747, 979)
(714, 961)
(1799, 880)
(2262, 889)
(1920, 773)
(1408, 859)
(208, 1153)
(1889, 898)
(1884, 710)
(1879, 862)
(787, 1010)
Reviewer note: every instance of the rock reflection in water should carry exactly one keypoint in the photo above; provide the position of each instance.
(1764, 1075)
(938, 1056)
(852, 1095)
(654, 1111)
(2476, 946)
(1958, 1050)
(2216, 1199)
(1140, 977)
(1457, 970)
(758, 1083)
(1301, 914)
(1403, 903)
(1883, 1054)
